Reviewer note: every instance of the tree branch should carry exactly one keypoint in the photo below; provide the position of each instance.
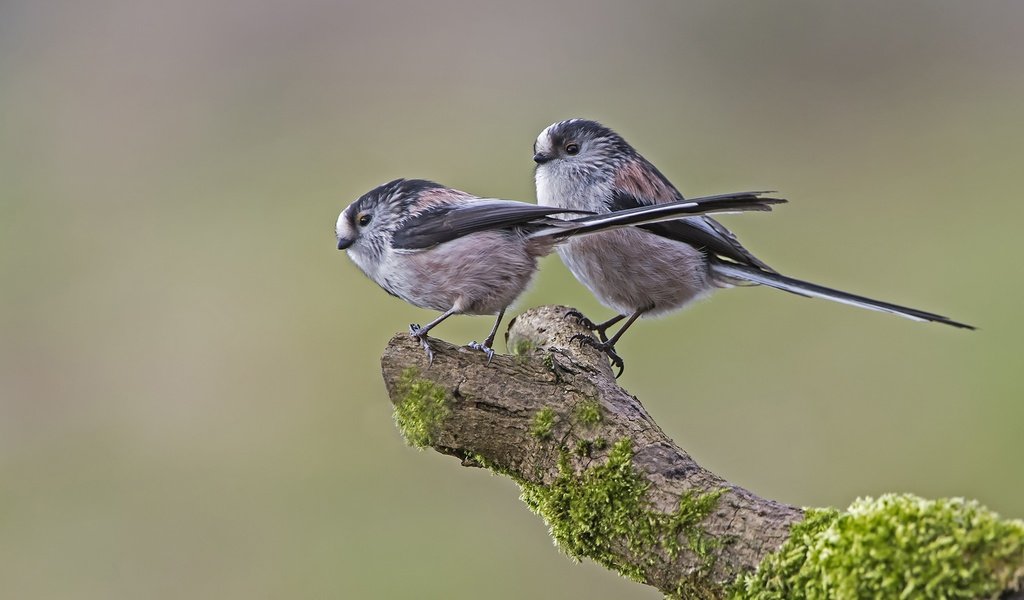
(609, 482)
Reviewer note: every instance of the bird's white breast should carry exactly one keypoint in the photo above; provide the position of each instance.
(546, 188)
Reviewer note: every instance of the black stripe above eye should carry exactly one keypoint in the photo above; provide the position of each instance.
(404, 187)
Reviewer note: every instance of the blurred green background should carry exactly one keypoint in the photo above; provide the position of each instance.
(190, 397)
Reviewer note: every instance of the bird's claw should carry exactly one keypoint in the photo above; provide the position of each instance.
(608, 349)
(483, 348)
(600, 328)
(581, 319)
(417, 332)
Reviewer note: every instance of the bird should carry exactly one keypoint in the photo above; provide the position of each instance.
(656, 268)
(450, 251)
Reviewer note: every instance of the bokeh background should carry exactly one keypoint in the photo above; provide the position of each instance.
(190, 398)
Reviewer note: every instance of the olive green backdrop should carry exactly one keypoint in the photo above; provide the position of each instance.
(190, 398)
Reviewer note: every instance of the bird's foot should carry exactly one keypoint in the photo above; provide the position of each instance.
(608, 349)
(483, 348)
(600, 328)
(581, 319)
(417, 332)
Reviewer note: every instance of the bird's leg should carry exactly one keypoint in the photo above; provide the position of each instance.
(486, 347)
(608, 345)
(600, 328)
(420, 333)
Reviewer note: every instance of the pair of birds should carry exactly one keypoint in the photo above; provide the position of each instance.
(619, 225)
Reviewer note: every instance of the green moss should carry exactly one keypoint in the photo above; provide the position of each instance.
(898, 546)
(685, 522)
(523, 347)
(479, 460)
(522, 350)
(588, 412)
(542, 424)
(549, 361)
(423, 405)
(603, 510)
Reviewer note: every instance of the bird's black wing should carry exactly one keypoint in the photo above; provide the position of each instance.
(700, 232)
(445, 223)
(709, 235)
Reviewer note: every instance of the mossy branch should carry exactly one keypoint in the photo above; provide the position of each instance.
(615, 489)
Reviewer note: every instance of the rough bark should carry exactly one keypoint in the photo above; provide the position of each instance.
(492, 420)
(614, 488)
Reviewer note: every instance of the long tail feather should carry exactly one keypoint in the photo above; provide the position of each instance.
(803, 288)
(656, 213)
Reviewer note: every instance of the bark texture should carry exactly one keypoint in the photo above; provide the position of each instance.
(615, 489)
(531, 416)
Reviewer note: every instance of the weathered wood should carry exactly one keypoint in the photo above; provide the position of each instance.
(492, 419)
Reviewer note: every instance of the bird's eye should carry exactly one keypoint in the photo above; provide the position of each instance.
(364, 219)
(572, 148)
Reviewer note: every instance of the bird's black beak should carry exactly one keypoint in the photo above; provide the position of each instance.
(344, 243)
(541, 158)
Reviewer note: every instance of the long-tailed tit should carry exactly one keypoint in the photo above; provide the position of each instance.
(450, 251)
(655, 268)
